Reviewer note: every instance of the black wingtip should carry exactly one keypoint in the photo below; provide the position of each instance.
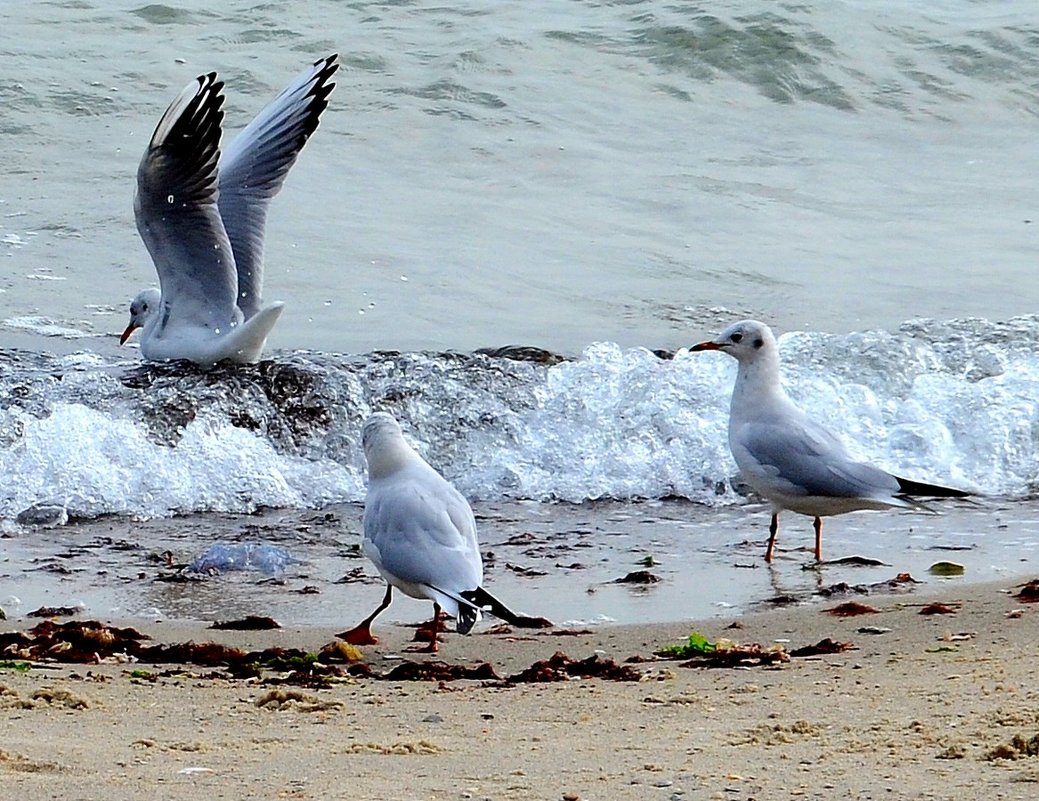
(330, 63)
(320, 90)
(322, 85)
(909, 487)
(189, 131)
(198, 117)
(488, 603)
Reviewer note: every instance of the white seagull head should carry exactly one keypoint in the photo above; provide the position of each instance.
(143, 308)
(385, 449)
(747, 341)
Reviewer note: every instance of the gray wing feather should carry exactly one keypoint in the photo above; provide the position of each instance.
(254, 167)
(425, 534)
(808, 460)
(176, 210)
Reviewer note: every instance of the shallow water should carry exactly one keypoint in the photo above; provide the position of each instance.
(556, 560)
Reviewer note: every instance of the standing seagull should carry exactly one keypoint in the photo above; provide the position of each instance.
(202, 218)
(790, 459)
(420, 534)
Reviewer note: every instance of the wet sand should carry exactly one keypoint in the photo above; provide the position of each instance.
(929, 707)
(560, 561)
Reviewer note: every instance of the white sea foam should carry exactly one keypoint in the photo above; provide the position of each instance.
(94, 464)
(614, 423)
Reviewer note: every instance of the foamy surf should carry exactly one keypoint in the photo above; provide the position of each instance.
(955, 402)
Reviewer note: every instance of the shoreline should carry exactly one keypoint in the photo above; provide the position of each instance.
(927, 706)
(562, 561)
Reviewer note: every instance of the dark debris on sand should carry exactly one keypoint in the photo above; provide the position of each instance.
(560, 667)
(822, 648)
(54, 611)
(527, 572)
(439, 671)
(851, 561)
(1028, 593)
(739, 656)
(938, 609)
(851, 609)
(247, 623)
(638, 577)
(92, 642)
(903, 582)
(532, 622)
(699, 652)
(1019, 747)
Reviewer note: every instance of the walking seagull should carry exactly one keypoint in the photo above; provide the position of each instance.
(420, 534)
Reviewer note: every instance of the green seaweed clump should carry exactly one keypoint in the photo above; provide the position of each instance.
(696, 645)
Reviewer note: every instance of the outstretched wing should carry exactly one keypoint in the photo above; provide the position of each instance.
(176, 210)
(254, 167)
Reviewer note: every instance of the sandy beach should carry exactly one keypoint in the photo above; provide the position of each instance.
(921, 706)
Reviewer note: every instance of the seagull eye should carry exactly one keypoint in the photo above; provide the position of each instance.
(759, 342)
(737, 337)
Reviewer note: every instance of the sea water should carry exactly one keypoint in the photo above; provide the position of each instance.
(549, 174)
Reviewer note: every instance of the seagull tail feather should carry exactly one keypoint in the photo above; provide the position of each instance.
(486, 602)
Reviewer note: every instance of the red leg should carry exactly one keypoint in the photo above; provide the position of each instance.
(773, 530)
(361, 634)
(818, 539)
(430, 630)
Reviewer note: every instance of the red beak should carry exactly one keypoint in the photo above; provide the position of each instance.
(126, 334)
(705, 346)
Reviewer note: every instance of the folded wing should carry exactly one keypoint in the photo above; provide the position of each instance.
(424, 535)
(799, 460)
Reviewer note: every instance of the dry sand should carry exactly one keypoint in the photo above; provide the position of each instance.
(916, 712)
